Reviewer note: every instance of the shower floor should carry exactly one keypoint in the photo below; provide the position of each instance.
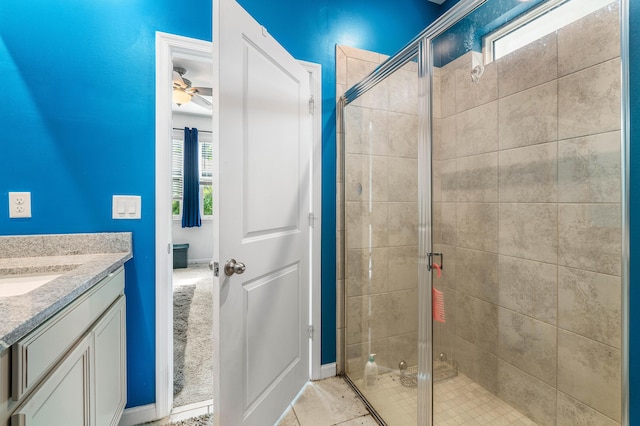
(457, 401)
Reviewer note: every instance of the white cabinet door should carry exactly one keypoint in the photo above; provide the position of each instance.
(262, 218)
(64, 395)
(109, 366)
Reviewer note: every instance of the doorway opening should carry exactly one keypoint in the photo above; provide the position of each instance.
(184, 364)
(192, 280)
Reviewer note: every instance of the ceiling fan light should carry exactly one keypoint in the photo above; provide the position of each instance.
(181, 97)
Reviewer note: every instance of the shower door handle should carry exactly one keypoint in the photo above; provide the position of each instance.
(232, 267)
(431, 260)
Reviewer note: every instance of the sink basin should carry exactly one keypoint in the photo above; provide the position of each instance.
(17, 285)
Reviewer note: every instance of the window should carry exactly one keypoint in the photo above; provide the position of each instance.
(205, 154)
(543, 20)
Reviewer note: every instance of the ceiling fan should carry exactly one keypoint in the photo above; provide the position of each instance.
(183, 92)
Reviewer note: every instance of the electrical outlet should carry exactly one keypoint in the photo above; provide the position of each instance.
(19, 204)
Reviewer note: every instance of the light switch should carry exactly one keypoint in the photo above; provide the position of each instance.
(126, 206)
(131, 207)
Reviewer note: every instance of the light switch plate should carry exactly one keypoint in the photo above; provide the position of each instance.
(126, 206)
(19, 204)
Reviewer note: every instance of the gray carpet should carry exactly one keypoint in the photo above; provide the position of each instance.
(182, 297)
(198, 349)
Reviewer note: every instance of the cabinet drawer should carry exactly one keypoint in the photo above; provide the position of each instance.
(34, 355)
(64, 398)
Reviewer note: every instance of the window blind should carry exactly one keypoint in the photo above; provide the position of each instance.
(177, 159)
(206, 161)
(177, 165)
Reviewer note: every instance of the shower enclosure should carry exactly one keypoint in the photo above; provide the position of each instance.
(481, 218)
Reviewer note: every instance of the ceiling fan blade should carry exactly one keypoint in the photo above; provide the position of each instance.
(204, 91)
(177, 80)
(199, 100)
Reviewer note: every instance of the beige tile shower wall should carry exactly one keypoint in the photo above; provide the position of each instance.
(527, 212)
(379, 276)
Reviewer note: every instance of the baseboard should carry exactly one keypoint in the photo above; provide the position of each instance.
(198, 261)
(327, 370)
(136, 415)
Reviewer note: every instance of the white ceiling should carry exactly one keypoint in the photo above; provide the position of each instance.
(201, 75)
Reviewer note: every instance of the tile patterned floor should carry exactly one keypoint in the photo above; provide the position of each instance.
(330, 402)
(326, 403)
(457, 401)
(461, 401)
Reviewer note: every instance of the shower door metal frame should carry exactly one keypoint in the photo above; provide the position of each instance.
(625, 166)
(421, 46)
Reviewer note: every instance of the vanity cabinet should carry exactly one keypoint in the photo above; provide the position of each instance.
(71, 370)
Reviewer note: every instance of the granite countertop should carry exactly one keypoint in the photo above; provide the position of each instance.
(82, 259)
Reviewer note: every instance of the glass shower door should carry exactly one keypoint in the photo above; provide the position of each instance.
(526, 208)
(381, 244)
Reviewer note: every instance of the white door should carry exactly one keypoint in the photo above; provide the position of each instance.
(262, 220)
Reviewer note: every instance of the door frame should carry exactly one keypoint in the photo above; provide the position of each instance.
(169, 46)
(315, 87)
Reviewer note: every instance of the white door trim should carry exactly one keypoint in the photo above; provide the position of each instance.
(168, 46)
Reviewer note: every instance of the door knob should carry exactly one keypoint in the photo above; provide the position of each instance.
(232, 267)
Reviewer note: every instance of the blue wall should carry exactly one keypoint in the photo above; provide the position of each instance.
(310, 32)
(77, 113)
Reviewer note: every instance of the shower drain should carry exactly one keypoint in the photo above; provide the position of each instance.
(442, 370)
